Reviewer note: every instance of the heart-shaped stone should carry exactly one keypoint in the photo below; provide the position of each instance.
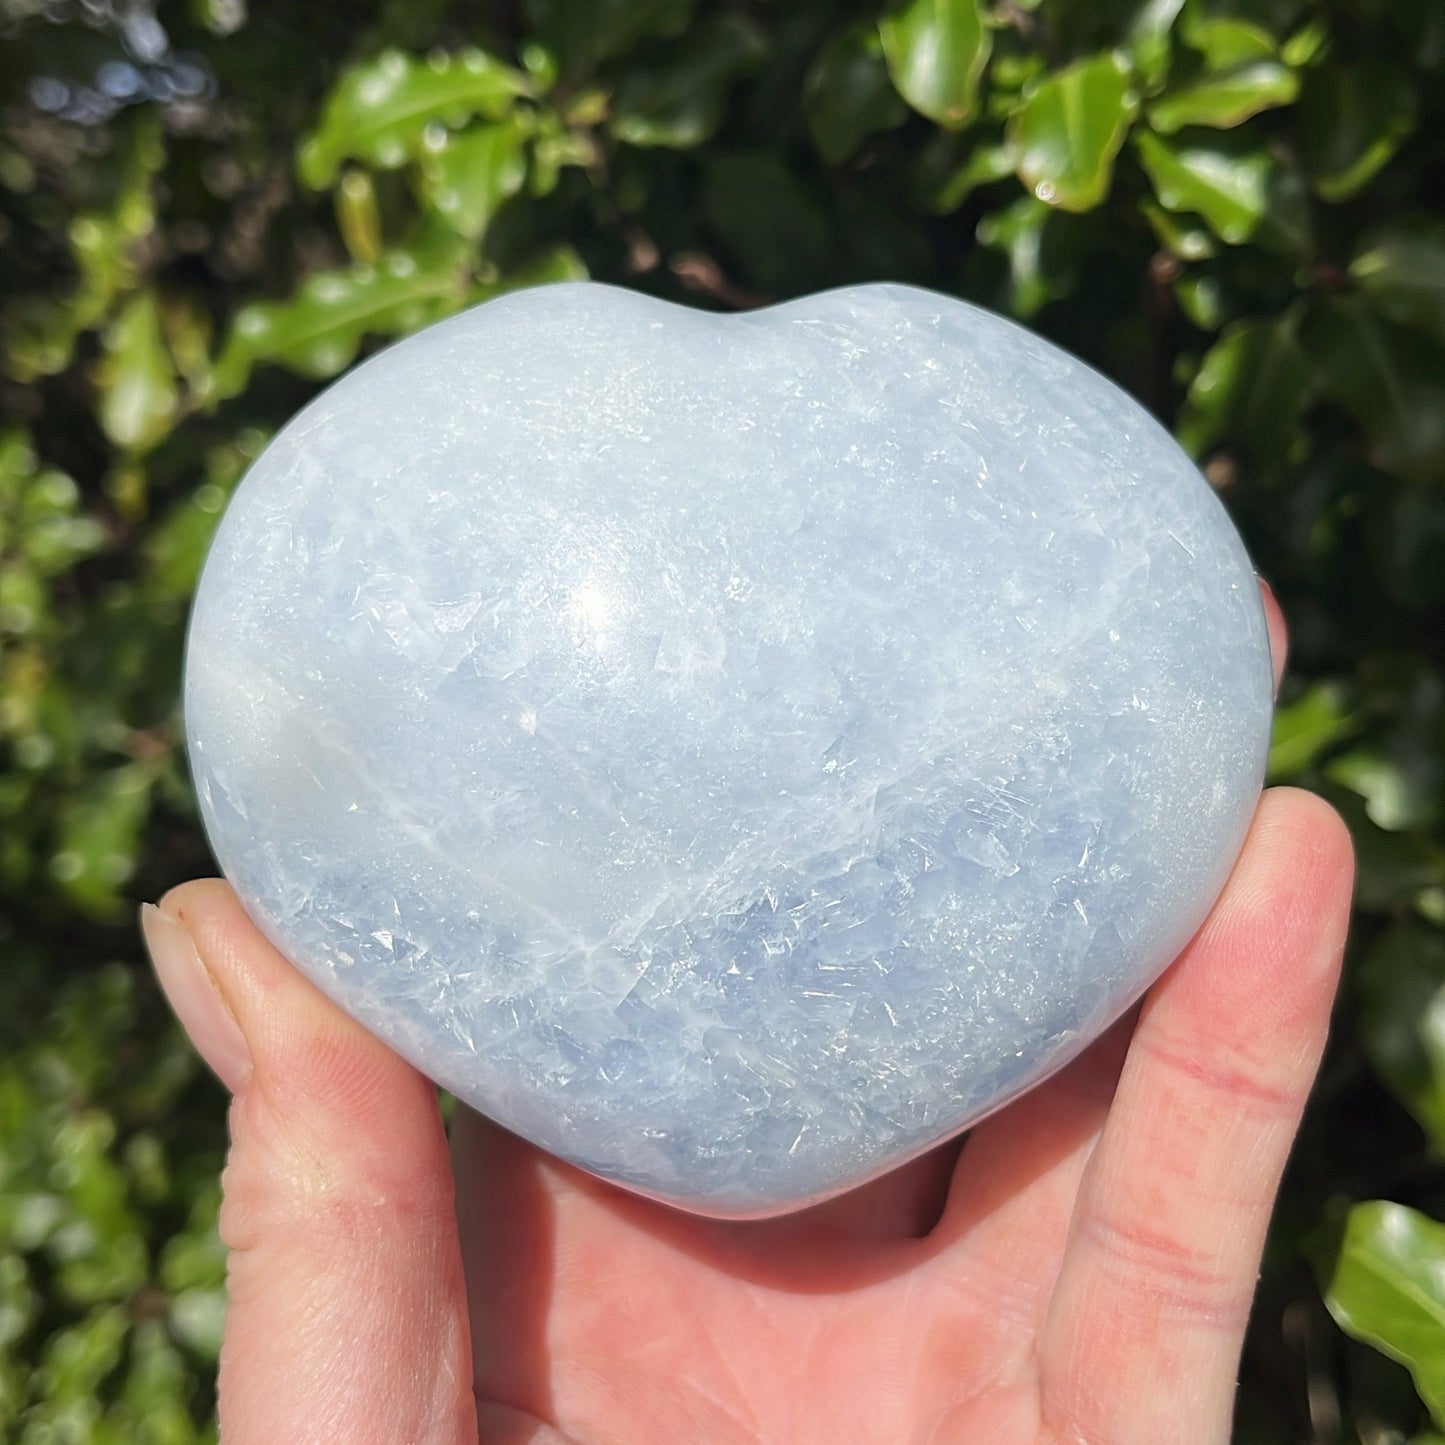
(734, 753)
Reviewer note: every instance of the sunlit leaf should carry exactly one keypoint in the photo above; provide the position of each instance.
(1248, 393)
(1021, 232)
(1402, 989)
(936, 52)
(1187, 241)
(137, 379)
(1386, 1286)
(1147, 40)
(1065, 135)
(1223, 99)
(318, 332)
(97, 839)
(358, 217)
(475, 172)
(1241, 192)
(1225, 40)
(678, 101)
(384, 113)
(1304, 729)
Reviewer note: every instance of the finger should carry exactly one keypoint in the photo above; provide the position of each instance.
(1278, 632)
(1013, 1190)
(1142, 1338)
(346, 1317)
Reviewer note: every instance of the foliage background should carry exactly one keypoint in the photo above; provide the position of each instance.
(206, 211)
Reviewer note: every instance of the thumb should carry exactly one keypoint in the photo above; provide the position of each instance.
(347, 1317)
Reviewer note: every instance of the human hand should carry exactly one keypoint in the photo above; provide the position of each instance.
(1080, 1270)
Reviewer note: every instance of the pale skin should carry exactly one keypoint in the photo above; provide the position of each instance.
(1078, 1273)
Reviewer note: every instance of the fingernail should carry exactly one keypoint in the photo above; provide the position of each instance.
(194, 998)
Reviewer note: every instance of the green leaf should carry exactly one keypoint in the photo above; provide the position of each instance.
(1306, 728)
(584, 33)
(385, 112)
(1065, 135)
(1147, 40)
(1402, 269)
(950, 168)
(102, 247)
(139, 396)
(1387, 1288)
(1352, 118)
(678, 100)
(1392, 380)
(1187, 242)
(1225, 98)
(1225, 40)
(474, 173)
(768, 222)
(1248, 393)
(1402, 992)
(358, 217)
(936, 51)
(848, 96)
(99, 838)
(1242, 193)
(318, 332)
(1021, 233)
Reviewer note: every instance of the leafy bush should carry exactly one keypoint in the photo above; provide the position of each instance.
(206, 213)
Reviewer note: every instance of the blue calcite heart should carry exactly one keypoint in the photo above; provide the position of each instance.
(734, 753)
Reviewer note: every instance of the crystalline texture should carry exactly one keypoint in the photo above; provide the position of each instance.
(735, 753)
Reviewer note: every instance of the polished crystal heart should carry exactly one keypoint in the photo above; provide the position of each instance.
(736, 753)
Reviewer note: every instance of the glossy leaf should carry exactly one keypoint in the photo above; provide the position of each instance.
(1402, 989)
(1225, 40)
(679, 102)
(1148, 39)
(139, 395)
(1020, 232)
(1352, 118)
(382, 113)
(848, 96)
(1305, 728)
(475, 172)
(1248, 393)
(1242, 193)
(1189, 242)
(318, 332)
(1392, 380)
(1401, 267)
(952, 167)
(1065, 135)
(1225, 98)
(97, 840)
(1386, 1286)
(936, 52)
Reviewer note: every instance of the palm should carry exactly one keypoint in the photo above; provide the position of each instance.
(1083, 1271)
(853, 1321)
